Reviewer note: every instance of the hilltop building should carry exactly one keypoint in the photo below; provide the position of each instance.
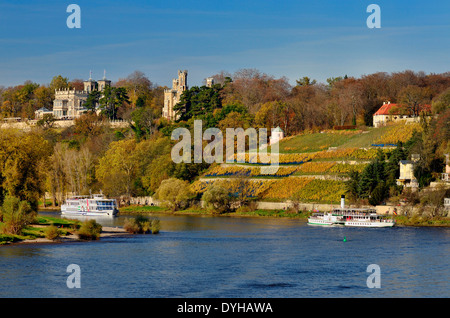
(172, 96)
(392, 112)
(210, 82)
(68, 103)
(277, 135)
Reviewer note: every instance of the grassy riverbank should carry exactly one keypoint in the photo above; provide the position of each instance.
(51, 230)
(37, 229)
(415, 220)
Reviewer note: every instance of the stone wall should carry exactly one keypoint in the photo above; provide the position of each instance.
(28, 124)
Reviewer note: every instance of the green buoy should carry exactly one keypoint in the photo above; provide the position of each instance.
(345, 239)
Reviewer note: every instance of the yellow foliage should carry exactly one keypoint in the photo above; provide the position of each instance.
(316, 166)
(399, 132)
(285, 188)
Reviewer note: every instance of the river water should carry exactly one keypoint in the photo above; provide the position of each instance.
(206, 257)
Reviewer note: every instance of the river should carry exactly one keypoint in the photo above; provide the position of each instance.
(216, 257)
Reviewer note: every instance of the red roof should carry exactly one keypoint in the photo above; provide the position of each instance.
(385, 109)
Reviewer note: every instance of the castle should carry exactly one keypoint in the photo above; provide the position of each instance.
(68, 103)
(172, 96)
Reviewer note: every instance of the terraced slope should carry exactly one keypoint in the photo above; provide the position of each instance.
(313, 167)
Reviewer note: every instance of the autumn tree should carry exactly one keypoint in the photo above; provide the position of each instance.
(413, 97)
(20, 157)
(137, 85)
(44, 97)
(174, 194)
(117, 169)
(154, 163)
(253, 88)
(59, 82)
(89, 124)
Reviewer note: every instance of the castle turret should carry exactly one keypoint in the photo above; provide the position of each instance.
(172, 96)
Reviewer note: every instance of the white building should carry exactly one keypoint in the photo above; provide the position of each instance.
(391, 112)
(68, 103)
(277, 135)
(41, 112)
(407, 178)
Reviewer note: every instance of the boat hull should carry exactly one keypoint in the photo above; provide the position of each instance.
(351, 224)
(369, 224)
(90, 213)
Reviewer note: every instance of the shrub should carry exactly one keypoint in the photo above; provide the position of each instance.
(52, 232)
(131, 226)
(156, 226)
(90, 230)
(141, 225)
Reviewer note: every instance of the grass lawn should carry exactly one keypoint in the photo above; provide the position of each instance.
(322, 141)
(141, 209)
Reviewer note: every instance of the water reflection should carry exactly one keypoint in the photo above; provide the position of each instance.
(173, 223)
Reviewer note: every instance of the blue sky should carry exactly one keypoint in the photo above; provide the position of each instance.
(292, 38)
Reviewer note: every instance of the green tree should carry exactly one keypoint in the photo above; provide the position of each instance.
(143, 121)
(112, 99)
(92, 100)
(197, 102)
(305, 81)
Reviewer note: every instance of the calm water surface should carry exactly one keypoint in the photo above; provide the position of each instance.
(235, 257)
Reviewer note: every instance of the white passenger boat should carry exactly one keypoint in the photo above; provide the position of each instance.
(95, 205)
(351, 217)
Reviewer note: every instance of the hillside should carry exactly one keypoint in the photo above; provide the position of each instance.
(313, 166)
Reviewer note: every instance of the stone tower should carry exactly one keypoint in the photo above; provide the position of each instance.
(172, 96)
